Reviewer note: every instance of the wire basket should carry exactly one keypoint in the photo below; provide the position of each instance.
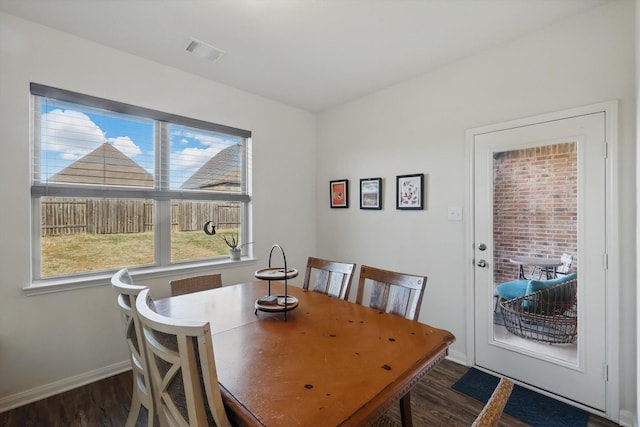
(549, 315)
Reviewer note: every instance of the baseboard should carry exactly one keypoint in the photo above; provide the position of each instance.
(57, 387)
(628, 419)
(458, 357)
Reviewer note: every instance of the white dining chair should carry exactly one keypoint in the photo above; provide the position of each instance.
(142, 395)
(182, 368)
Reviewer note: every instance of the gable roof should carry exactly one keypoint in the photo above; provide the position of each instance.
(106, 165)
(220, 173)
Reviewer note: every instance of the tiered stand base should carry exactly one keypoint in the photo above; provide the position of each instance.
(276, 303)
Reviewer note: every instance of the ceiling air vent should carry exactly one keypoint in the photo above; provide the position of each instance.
(203, 50)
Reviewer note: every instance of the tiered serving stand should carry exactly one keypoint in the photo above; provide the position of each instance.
(276, 303)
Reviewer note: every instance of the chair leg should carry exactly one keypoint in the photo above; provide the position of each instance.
(153, 420)
(134, 411)
(405, 410)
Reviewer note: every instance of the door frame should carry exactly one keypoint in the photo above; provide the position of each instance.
(612, 273)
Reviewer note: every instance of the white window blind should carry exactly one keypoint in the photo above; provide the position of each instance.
(84, 145)
(108, 176)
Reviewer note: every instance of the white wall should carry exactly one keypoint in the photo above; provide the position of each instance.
(57, 340)
(52, 341)
(419, 127)
(637, 17)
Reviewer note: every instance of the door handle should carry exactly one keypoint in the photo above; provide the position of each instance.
(482, 263)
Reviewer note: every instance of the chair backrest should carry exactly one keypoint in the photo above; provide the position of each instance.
(331, 277)
(395, 293)
(127, 296)
(551, 300)
(492, 411)
(195, 284)
(182, 367)
(567, 260)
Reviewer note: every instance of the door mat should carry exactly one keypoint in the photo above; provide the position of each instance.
(526, 405)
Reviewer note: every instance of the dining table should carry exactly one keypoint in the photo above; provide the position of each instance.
(541, 264)
(330, 363)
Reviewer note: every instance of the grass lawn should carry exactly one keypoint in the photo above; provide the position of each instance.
(79, 253)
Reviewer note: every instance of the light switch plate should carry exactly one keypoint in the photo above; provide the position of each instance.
(454, 213)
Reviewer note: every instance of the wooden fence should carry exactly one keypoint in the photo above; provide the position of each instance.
(94, 216)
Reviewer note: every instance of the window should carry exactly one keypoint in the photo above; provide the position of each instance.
(114, 185)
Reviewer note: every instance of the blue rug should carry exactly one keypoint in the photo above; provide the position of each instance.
(526, 405)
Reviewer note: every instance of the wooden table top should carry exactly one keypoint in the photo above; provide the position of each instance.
(330, 363)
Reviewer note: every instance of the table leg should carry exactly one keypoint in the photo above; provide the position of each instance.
(405, 410)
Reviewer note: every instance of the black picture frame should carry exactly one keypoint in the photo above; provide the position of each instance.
(339, 193)
(371, 193)
(410, 192)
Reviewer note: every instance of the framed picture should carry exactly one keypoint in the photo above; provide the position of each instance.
(410, 191)
(339, 193)
(371, 193)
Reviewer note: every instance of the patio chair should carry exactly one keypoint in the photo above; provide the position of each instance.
(564, 269)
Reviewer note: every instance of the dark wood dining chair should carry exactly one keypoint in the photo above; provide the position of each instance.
(329, 277)
(142, 394)
(182, 368)
(492, 411)
(195, 284)
(396, 293)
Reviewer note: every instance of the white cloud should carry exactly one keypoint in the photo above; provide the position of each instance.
(71, 133)
(192, 158)
(208, 139)
(203, 146)
(126, 146)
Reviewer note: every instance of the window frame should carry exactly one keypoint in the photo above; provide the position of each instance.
(161, 193)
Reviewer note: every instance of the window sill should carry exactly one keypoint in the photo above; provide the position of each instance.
(143, 273)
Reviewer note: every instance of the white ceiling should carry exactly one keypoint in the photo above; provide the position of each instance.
(311, 54)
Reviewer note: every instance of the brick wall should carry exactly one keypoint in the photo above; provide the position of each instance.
(535, 207)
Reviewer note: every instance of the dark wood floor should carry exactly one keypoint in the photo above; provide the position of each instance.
(106, 403)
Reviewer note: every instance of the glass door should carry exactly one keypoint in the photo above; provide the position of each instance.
(539, 193)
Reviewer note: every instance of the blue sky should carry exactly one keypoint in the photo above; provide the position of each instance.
(69, 131)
